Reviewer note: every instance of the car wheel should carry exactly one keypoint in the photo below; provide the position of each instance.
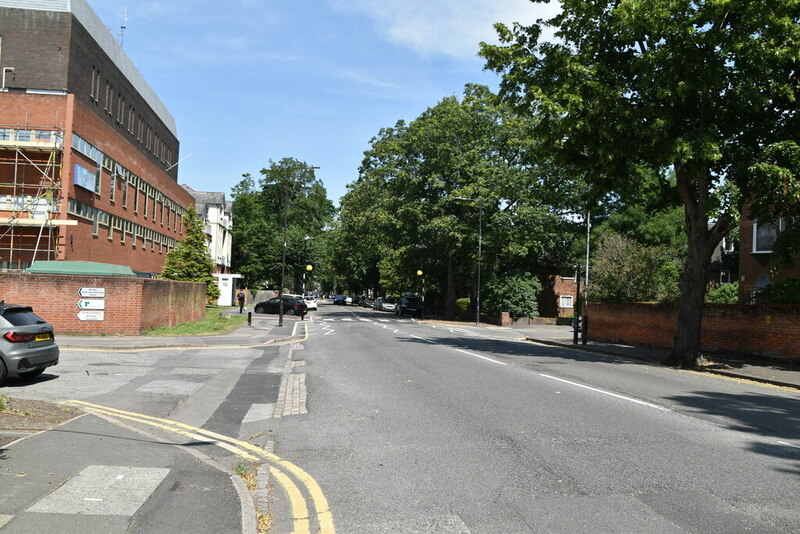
(290, 311)
(259, 309)
(31, 374)
(3, 372)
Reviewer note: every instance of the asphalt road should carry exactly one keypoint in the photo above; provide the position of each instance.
(372, 424)
(413, 427)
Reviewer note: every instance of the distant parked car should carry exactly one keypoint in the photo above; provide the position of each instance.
(408, 306)
(27, 343)
(388, 304)
(340, 300)
(291, 306)
(311, 302)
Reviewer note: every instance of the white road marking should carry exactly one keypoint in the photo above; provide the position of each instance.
(481, 357)
(604, 392)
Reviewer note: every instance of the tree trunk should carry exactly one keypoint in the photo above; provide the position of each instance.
(701, 243)
(450, 299)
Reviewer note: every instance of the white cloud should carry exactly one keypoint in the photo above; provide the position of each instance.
(450, 27)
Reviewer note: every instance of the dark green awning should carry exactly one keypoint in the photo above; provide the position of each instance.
(86, 268)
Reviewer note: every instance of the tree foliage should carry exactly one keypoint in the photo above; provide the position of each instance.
(516, 294)
(624, 270)
(191, 261)
(427, 189)
(705, 88)
(287, 189)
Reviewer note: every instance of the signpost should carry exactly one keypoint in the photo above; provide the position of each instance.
(92, 292)
(91, 315)
(92, 304)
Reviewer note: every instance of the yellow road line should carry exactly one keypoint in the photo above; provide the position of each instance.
(299, 509)
(321, 506)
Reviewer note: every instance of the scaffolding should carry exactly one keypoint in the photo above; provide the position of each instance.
(30, 194)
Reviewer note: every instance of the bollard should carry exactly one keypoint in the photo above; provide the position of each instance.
(249, 318)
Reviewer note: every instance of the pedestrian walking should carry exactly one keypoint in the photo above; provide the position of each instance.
(240, 298)
(303, 312)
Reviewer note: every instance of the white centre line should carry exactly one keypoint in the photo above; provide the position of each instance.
(623, 397)
(481, 357)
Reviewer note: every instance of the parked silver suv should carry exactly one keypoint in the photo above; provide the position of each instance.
(27, 343)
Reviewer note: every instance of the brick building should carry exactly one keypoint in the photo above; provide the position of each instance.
(88, 152)
(755, 257)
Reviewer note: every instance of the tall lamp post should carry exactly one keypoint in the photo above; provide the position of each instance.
(283, 249)
(480, 244)
(422, 305)
(309, 268)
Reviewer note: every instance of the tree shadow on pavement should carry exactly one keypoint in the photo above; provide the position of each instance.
(772, 416)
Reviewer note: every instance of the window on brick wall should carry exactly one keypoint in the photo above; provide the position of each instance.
(566, 301)
(764, 235)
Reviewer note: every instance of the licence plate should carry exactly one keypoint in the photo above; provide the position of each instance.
(42, 337)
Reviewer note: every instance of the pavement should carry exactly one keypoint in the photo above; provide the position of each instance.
(40, 474)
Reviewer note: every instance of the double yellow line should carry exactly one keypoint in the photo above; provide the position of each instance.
(278, 466)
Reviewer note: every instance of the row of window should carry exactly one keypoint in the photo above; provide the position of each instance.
(155, 202)
(125, 227)
(127, 117)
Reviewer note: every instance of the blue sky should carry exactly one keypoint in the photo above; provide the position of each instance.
(252, 80)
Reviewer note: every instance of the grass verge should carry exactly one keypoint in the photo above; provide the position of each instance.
(214, 323)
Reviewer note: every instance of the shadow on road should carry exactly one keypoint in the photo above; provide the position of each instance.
(775, 417)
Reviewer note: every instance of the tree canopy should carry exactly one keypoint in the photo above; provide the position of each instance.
(705, 88)
(425, 188)
(287, 188)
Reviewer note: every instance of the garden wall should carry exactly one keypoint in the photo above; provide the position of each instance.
(131, 305)
(771, 331)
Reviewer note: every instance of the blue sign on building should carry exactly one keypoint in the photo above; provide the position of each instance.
(84, 178)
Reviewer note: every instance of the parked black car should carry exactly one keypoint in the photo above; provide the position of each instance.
(27, 344)
(408, 306)
(291, 306)
(341, 300)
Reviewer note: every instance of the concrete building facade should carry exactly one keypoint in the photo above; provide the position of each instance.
(88, 152)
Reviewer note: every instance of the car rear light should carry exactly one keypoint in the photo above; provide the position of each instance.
(18, 337)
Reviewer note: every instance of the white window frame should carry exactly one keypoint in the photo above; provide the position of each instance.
(781, 227)
(563, 298)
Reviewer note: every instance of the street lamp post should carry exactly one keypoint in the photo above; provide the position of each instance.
(309, 268)
(480, 245)
(283, 249)
(422, 302)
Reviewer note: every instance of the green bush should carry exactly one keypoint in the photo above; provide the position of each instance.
(727, 294)
(787, 291)
(513, 294)
(462, 308)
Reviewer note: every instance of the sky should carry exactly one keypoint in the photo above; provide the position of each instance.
(254, 81)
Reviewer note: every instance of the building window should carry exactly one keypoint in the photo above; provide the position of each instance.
(566, 301)
(724, 277)
(764, 235)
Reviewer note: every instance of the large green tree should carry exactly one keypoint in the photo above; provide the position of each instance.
(426, 188)
(701, 87)
(287, 196)
(191, 261)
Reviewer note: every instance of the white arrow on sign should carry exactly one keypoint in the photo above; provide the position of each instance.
(92, 292)
(92, 304)
(91, 315)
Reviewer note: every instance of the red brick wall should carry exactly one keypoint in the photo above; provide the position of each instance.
(132, 305)
(771, 331)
